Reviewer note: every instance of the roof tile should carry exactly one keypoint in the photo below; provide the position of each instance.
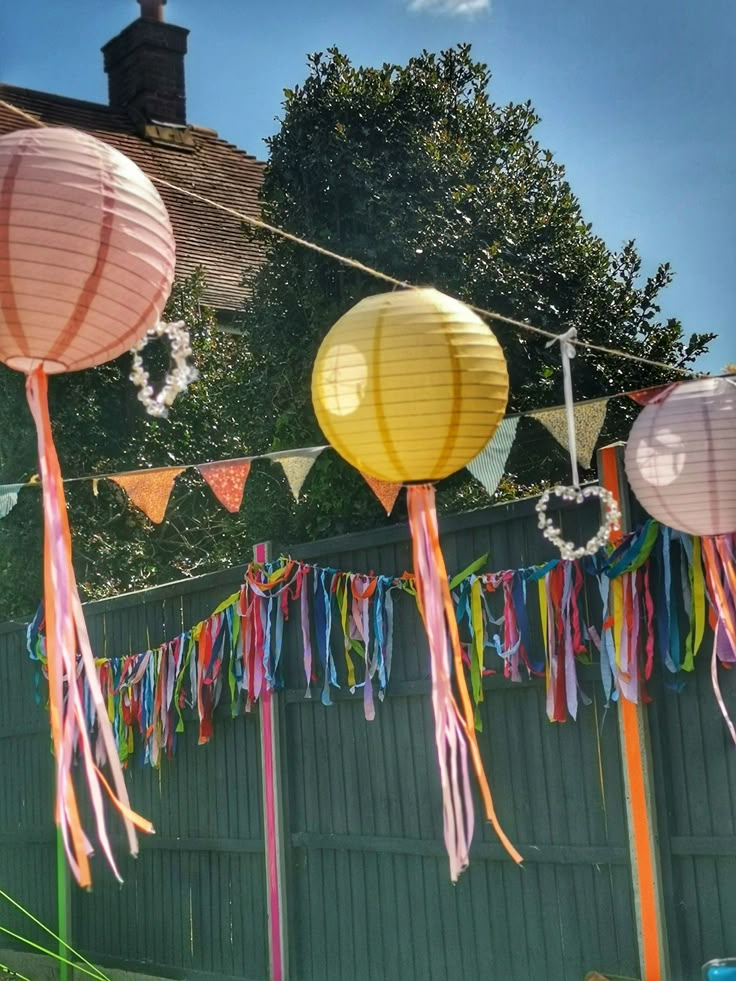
(207, 165)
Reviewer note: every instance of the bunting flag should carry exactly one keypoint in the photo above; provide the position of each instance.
(8, 498)
(646, 395)
(297, 467)
(149, 490)
(589, 419)
(488, 467)
(227, 481)
(652, 613)
(385, 491)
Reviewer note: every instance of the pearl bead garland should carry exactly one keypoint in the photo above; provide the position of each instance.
(180, 376)
(568, 550)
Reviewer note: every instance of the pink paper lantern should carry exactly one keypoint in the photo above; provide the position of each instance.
(86, 266)
(681, 457)
(86, 251)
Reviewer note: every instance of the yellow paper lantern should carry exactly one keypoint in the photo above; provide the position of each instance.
(409, 386)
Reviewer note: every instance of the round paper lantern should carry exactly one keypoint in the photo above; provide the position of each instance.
(86, 266)
(86, 251)
(409, 386)
(681, 457)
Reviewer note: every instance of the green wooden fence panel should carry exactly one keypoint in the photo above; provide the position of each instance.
(27, 834)
(369, 891)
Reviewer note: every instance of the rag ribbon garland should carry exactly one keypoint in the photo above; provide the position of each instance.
(648, 597)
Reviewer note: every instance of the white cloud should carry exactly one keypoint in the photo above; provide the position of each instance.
(455, 8)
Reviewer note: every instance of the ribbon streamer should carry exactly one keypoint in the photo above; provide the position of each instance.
(67, 636)
(454, 730)
(239, 648)
(567, 353)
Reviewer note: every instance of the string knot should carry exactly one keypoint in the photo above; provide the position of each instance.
(566, 342)
(567, 353)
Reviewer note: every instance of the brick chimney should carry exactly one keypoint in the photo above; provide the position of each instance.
(145, 67)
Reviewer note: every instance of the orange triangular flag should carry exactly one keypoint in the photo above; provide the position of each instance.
(227, 481)
(150, 490)
(385, 491)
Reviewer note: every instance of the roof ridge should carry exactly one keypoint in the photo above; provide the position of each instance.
(122, 116)
(218, 170)
(69, 100)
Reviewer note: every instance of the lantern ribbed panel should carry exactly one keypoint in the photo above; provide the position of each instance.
(86, 251)
(409, 386)
(681, 457)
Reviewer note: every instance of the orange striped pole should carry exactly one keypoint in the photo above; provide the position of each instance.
(635, 761)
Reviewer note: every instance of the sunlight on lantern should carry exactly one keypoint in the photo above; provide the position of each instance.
(344, 381)
(662, 460)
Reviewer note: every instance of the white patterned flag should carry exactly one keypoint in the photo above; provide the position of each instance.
(488, 467)
(8, 498)
(296, 466)
(589, 419)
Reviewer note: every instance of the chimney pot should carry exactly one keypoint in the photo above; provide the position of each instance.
(152, 9)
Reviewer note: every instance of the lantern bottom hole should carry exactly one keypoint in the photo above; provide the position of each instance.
(27, 365)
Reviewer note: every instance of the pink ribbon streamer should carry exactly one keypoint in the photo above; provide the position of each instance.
(69, 636)
(458, 817)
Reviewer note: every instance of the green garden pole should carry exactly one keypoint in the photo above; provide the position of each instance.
(62, 902)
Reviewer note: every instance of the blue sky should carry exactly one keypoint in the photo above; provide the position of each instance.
(638, 98)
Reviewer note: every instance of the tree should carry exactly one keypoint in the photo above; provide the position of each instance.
(411, 169)
(99, 427)
(415, 171)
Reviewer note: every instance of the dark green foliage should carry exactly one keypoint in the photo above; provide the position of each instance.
(411, 169)
(99, 426)
(416, 172)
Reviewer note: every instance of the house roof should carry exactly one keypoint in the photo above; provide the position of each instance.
(192, 158)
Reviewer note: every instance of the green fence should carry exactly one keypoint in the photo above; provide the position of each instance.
(367, 886)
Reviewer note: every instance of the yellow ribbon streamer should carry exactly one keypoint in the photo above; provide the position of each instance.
(697, 607)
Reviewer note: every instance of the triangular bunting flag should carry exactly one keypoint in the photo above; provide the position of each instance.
(8, 498)
(646, 395)
(488, 467)
(589, 418)
(296, 469)
(149, 490)
(227, 481)
(385, 491)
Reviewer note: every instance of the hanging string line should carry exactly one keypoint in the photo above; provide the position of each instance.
(314, 450)
(377, 273)
(392, 280)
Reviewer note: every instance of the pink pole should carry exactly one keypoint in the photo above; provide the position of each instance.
(272, 819)
(272, 838)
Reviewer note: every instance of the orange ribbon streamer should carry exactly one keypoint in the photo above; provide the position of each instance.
(633, 755)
